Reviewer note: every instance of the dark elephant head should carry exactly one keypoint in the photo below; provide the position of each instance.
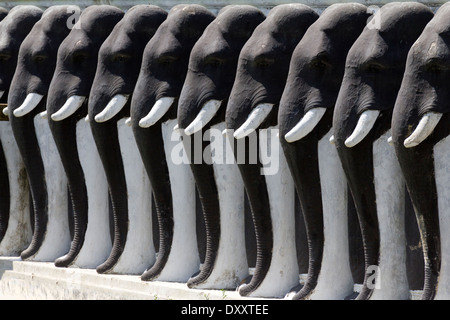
(13, 30)
(419, 122)
(260, 78)
(212, 70)
(27, 98)
(306, 109)
(373, 73)
(119, 62)
(67, 103)
(155, 101)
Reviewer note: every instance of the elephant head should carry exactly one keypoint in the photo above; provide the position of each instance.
(260, 77)
(419, 122)
(14, 27)
(67, 103)
(29, 86)
(363, 110)
(306, 109)
(119, 62)
(155, 101)
(210, 77)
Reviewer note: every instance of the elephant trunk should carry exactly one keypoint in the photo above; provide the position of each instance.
(25, 136)
(4, 196)
(208, 194)
(412, 162)
(256, 188)
(64, 133)
(307, 181)
(151, 147)
(358, 173)
(107, 142)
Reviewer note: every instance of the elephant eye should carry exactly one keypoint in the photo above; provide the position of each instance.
(214, 61)
(436, 66)
(264, 62)
(121, 57)
(167, 60)
(4, 56)
(38, 58)
(373, 67)
(79, 57)
(319, 64)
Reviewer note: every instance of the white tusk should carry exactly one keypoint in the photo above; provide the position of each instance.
(158, 110)
(31, 102)
(227, 132)
(390, 141)
(425, 127)
(5, 111)
(43, 114)
(176, 127)
(112, 108)
(128, 122)
(72, 104)
(331, 139)
(365, 123)
(87, 118)
(205, 115)
(305, 125)
(254, 120)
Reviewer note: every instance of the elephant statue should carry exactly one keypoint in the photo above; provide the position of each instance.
(361, 124)
(66, 111)
(420, 138)
(4, 179)
(262, 70)
(201, 110)
(305, 120)
(26, 99)
(15, 224)
(153, 117)
(118, 66)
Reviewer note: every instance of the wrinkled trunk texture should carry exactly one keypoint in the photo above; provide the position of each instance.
(64, 134)
(357, 163)
(412, 162)
(209, 199)
(151, 147)
(307, 182)
(4, 195)
(25, 135)
(256, 189)
(106, 138)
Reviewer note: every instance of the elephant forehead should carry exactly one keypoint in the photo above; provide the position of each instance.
(211, 44)
(54, 20)
(261, 44)
(440, 23)
(341, 15)
(19, 20)
(140, 20)
(313, 43)
(369, 46)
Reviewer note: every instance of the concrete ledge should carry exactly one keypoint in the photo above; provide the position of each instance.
(25, 280)
(43, 281)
